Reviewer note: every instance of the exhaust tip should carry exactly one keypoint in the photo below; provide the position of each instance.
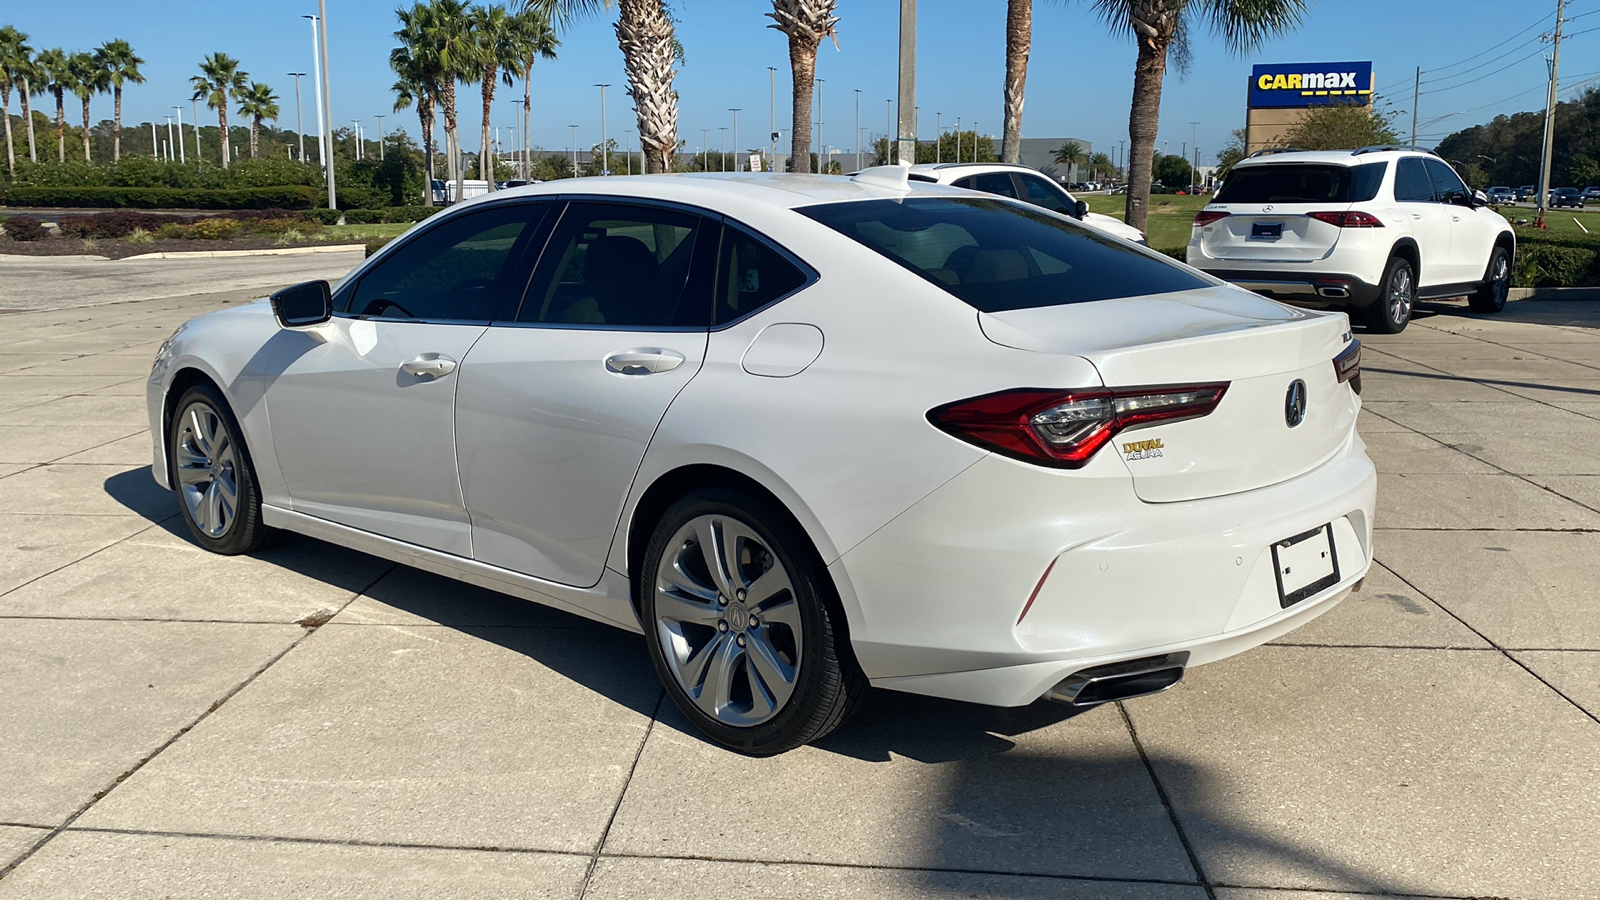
(1120, 680)
(1334, 293)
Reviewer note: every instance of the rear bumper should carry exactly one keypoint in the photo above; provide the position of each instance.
(1103, 576)
(1321, 288)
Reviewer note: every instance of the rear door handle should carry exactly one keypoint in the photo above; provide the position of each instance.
(644, 361)
(429, 365)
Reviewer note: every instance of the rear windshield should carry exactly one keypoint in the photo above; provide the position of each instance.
(1300, 183)
(999, 256)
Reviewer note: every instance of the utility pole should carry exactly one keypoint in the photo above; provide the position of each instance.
(298, 126)
(1416, 94)
(906, 133)
(1550, 120)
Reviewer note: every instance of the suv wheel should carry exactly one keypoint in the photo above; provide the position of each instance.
(1392, 311)
(1491, 295)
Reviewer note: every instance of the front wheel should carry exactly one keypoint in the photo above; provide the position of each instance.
(735, 612)
(1392, 310)
(1491, 295)
(212, 474)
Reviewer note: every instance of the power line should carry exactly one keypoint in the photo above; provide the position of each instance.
(1488, 62)
(1476, 56)
(1513, 64)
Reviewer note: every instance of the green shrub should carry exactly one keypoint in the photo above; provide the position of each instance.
(25, 228)
(114, 224)
(404, 214)
(138, 236)
(1552, 266)
(325, 216)
(376, 244)
(283, 197)
(213, 229)
(356, 196)
(365, 216)
(172, 231)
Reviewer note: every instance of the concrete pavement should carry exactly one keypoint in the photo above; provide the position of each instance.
(170, 730)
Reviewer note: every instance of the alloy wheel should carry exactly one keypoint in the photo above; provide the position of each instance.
(1500, 279)
(728, 620)
(207, 467)
(1400, 294)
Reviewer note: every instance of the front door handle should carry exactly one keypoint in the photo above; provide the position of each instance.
(429, 365)
(644, 361)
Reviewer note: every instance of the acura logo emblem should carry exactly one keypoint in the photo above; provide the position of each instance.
(1294, 405)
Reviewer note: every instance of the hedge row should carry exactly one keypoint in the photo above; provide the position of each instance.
(293, 196)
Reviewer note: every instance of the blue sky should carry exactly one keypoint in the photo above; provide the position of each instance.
(1480, 58)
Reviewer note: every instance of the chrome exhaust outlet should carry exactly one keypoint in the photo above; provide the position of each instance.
(1120, 680)
(1334, 293)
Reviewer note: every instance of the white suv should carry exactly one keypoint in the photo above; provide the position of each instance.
(1374, 229)
(1023, 183)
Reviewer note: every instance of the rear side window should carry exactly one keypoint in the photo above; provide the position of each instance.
(990, 183)
(1411, 183)
(1301, 183)
(1447, 185)
(997, 256)
(751, 275)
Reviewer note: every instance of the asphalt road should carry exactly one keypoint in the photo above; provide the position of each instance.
(59, 282)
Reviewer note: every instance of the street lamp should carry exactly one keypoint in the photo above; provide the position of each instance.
(169, 138)
(938, 136)
(298, 125)
(380, 137)
(574, 150)
(605, 153)
(819, 121)
(324, 107)
(181, 156)
(958, 140)
(856, 138)
(772, 116)
(735, 111)
(627, 142)
(1194, 142)
(705, 150)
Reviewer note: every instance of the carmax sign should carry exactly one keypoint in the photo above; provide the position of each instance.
(1291, 85)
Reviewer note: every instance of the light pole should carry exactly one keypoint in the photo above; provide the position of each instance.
(856, 138)
(355, 132)
(199, 158)
(574, 150)
(975, 133)
(888, 132)
(298, 126)
(155, 142)
(772, 117)
(958, 140)
(169, 139)
(627, 141)
(380, 137)
(705, 150)
(938, 136)
(182, 158)
(605, 152)
(735, 111)
(1194, 142)
(722, 159)
(324, 139)
(906, 137)
(819, 122)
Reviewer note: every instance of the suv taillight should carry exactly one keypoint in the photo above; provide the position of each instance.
(1207, 216)
(1347, 366)
(1064, 429)
(1348, 219)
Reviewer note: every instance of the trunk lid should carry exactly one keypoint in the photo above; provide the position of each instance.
(1270, 232)
(1220, 334)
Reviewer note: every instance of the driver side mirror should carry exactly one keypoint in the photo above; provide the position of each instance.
(310, 303)
(1080, 210)
(1479, 199)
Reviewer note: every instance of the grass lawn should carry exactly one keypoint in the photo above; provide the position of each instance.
(364, 232)
(1171, 216)
(1558, 220)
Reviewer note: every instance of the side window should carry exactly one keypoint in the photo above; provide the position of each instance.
(458, 271)
(1447, 185)
(614, 264)
(1042, 193)
(751, 275)
(1411, 183)
(991, 183)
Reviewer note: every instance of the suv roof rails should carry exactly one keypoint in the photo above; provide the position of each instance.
(1268, 151)
(1379, 148)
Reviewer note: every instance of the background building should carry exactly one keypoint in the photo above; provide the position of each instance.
(1280, 94)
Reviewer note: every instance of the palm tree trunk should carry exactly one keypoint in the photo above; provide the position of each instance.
(644, 33)
(5, 111)
(425, 122)
(61, 124)
(486, 156)
(452, 141)
(116, 125)
(27, 119)
(803, 68)
(255, 132)
(1143, 121)
(527, 115)
(1019, 40)
(222, 125)
(86, 130)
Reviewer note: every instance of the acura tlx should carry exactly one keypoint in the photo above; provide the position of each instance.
(806, 434)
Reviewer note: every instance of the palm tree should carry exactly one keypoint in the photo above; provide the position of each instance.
(1071, 155)
(257, 102)
(1019, 40)
(28, 78)
(532, 38)
(88, 78)
(493, 56)
(806, 22)
(15, 57)
(1156, 26)
(54, 77)
(1100, 166)
(220, 79)
(121, 65)
(446, 46)
(415, 83)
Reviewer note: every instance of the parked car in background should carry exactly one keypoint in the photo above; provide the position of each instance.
(1591, 193)
(1566, 197)
(1373, 230)
(1023, 183)
(1498, 195)
(1526, 192)
(666, 403)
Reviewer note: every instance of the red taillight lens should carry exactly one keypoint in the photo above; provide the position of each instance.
(1347, 366)
(1348, 219)
(1065, 429)
(1207, 216)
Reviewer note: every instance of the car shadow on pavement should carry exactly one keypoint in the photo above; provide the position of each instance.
(137, 490)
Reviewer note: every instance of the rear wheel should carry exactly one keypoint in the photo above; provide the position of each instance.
(1491, 295)
(213, 475)
(1392, 311)
(736, 616)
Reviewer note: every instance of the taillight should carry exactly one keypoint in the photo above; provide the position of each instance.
(1064, 429)
(1348, 219)
(1207, 216)
(1347, 366)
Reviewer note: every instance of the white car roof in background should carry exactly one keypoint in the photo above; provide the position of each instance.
(1329, 157)
(712, 188)
(953, 170)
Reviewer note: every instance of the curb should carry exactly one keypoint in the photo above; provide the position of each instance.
(269, 251)
(1555, 293)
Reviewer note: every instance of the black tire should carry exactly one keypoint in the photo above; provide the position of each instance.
(1491, 295)
(1390, 313)
(201, 471)
(826, 686)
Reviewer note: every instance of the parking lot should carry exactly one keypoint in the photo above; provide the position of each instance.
(316, 722)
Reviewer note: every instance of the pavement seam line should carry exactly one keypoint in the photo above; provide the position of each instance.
(96, 552)
(1493, 343)
(1503, 651)
(1488, 384)
(1166, 803)
(173, 739)
(605, 833)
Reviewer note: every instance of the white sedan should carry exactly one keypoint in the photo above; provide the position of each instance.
(1027, 184)
(806, 434)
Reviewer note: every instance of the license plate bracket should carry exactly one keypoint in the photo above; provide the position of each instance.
(1305, 565)
(1266, 230)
